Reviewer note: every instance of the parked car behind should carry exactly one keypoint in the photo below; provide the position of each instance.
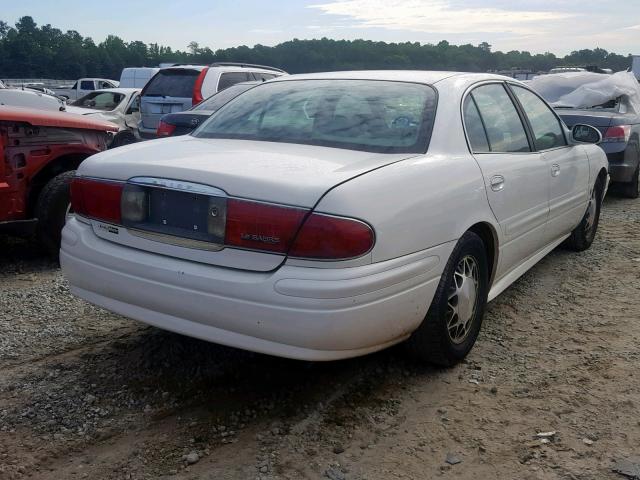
(136, 77)
(330, 215)
(25, 98)
(117, 105)
(40, 151)
(181, 123)
(178, 88)
(611, 103)
(84, 86)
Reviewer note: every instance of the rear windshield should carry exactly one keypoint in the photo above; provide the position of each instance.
(367, 115)
(172, 83)
(214, 102)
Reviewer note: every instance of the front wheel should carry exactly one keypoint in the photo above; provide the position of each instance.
(53, 209)
(583, 235)
(453, 321)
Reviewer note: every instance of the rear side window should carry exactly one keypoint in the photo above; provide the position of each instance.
(172, 83)
(263, 76)
(502, 123)
(475, 129)
(86, 85)
(231, 78)
(546, 127)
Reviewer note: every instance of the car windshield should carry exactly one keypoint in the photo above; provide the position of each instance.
(367, 115)
(214, 102)
(106, 101)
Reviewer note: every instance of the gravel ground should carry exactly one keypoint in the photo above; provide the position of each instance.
(88, 394)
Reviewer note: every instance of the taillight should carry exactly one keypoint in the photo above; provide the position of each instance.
(619, 133)
(96, 199)
(197, 87)
(262, 226)
(165, 129)
(327, 237)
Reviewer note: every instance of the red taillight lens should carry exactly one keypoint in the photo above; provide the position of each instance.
(165, 129)
(262, 226)
(619, 133)
(326, 237)
(197, 87)
(96, 199)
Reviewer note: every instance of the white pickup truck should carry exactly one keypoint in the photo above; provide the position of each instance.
(84, 86)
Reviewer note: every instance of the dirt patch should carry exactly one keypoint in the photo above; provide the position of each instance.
(88, 394)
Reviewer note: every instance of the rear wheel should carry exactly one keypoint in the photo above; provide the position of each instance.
(632, 189)
(52, 210)
(453, 321)
(583, 235)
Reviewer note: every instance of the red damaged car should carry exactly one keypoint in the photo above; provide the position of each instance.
(39, 153)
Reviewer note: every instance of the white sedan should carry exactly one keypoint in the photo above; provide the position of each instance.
(116, 105)
(330, 215)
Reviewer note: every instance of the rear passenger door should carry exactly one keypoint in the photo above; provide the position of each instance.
(567, 165)
(515, 176)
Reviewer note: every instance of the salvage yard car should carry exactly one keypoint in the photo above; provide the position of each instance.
(611, 103)
(326, 216)
(117, 105)
(84, 86)
(40, 151)
(178, 88)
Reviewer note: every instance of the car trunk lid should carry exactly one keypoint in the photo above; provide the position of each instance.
(169, 91)
(288, 175)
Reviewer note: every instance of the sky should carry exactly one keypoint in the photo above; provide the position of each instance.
(538, 26)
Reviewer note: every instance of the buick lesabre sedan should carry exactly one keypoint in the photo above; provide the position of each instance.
(327, 216)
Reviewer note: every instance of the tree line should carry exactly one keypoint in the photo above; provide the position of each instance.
(31, 51)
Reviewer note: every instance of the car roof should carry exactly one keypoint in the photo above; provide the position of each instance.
(233, 68)
(125, 91)
(419, 76)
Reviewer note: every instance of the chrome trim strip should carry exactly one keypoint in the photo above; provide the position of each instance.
(177, 241)
(179, 185)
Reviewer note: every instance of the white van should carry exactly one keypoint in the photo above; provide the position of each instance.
(136, 77)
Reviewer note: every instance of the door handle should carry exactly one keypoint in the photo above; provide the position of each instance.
(555, 170)
(497, 183)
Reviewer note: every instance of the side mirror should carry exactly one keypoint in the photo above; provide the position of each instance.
(581, 133)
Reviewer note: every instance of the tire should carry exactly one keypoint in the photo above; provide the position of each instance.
(632, 188)
(122, 138)
(583, 235)
(434, 340)
(52, 209)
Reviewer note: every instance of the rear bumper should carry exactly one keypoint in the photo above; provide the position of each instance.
(622, 173)
(622, 165)
(147, 133)
(296, 312)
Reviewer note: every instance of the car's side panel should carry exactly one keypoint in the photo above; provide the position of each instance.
(520, 203)
(568, 174)
(414, 204)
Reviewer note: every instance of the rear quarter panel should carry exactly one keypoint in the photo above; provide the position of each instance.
(414, 204)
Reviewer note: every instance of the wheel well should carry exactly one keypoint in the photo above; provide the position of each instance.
(489, 237)
(52, 169)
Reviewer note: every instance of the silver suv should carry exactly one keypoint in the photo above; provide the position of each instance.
(179, 87)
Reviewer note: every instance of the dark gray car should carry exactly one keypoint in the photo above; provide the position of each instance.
(611, 103)
(620, 141)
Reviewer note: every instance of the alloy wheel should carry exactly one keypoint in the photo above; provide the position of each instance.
(462, 299)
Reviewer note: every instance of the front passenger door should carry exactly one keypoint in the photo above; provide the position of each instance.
(567, 166)
(516, 178)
